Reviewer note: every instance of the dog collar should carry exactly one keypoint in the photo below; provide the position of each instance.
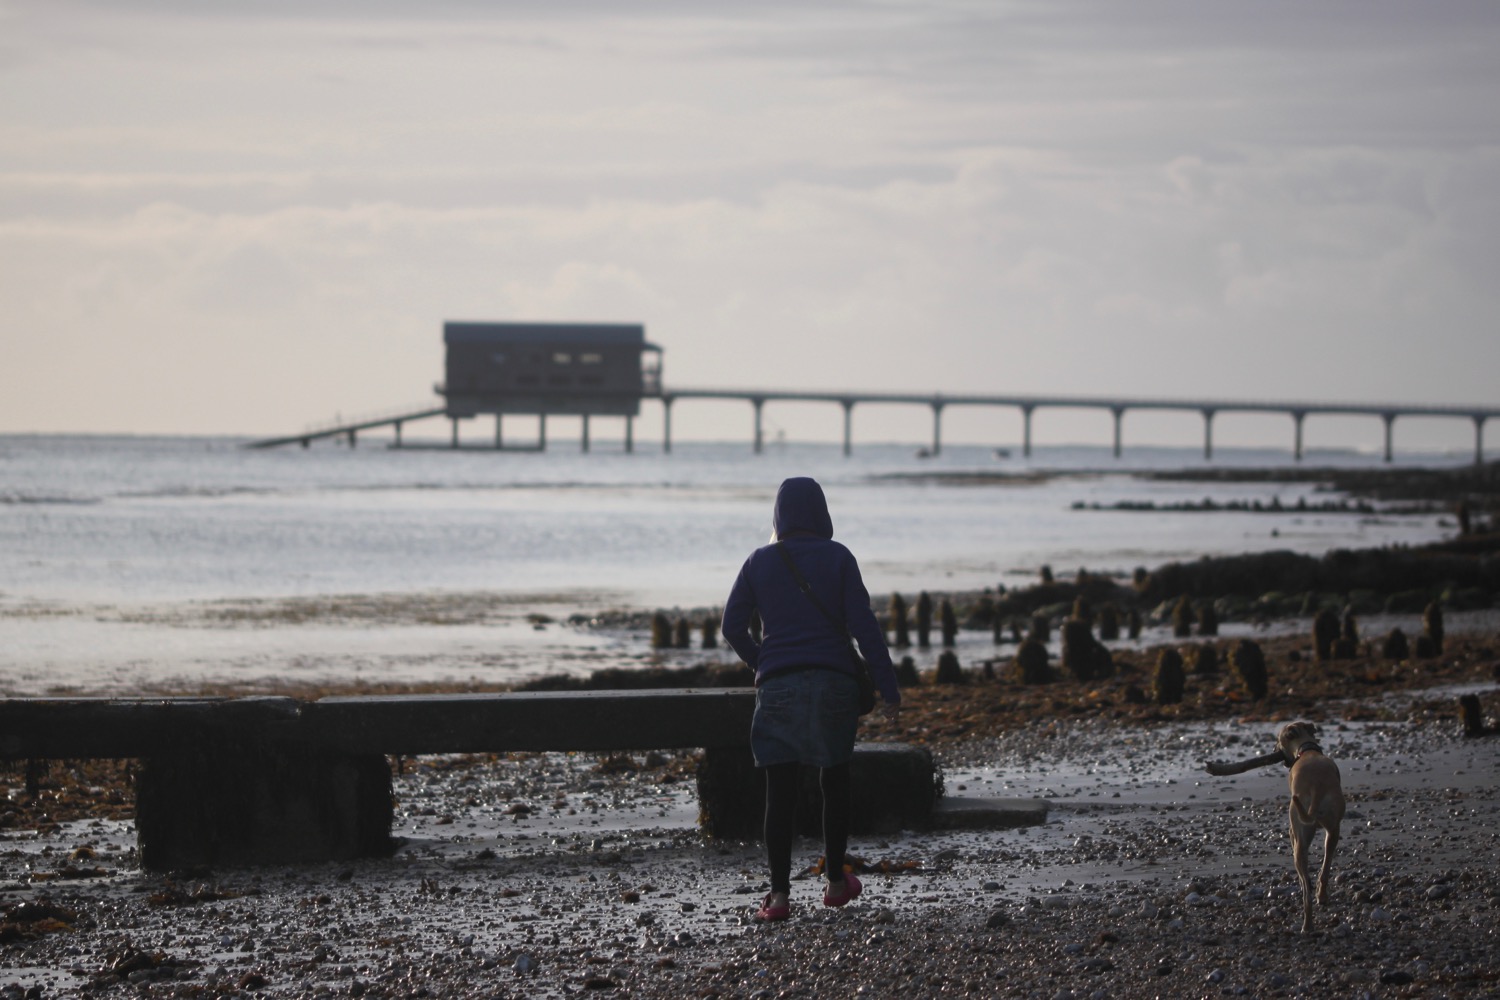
(1309, 745)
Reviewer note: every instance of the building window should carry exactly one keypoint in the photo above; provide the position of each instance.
(592, 358)
(562, 358)
(591, 380)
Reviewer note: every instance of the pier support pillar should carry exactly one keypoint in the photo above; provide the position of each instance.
(666, 425)
(848, 427)
(499, 433)
(353, 437)
(584, 435)
(937, 429)
(629, 435)
(1208, 435)
(1026, 430)
(454, 421)
(759, 440)
(1119, 413)
(1478, 440)
(397, 425)
(541, 432)
(1390, 425)
(1297, 417)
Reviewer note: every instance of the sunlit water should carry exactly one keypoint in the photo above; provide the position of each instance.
(117, 555)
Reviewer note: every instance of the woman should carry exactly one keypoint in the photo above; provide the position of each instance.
(806, 696)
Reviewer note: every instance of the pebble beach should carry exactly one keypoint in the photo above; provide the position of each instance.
(551, 875)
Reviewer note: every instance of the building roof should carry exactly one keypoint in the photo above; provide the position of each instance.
(619, 334)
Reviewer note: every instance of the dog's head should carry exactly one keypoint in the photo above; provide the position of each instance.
(1292, 737)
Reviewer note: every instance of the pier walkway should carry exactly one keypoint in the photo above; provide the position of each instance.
(1117, 406)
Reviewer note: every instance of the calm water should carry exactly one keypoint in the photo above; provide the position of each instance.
(113, 550)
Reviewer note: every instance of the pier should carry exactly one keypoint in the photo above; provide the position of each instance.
(1117, 406)
(936, 403)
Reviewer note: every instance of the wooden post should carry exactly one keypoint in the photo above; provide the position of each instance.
(499, 434)
(1026, 430)
(1208, 435)
(758, 404)
(1478, 439)
(455, 431)
(937, 428)
(585, 434)
(848, 427)
(666, 425)
(1119, 412)
(1390, 425)
(1297, 416)
(629, 435)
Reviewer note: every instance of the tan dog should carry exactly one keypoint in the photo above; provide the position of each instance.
(1317, 800)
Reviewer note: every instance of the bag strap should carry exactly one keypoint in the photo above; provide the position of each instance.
(807, 589)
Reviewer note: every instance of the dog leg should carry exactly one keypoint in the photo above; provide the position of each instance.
(1330, 845)
(1301, 841)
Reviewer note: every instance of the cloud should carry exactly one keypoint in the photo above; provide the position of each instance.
(1087, 197)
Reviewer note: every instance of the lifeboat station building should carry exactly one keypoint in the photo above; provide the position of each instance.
(545, 369)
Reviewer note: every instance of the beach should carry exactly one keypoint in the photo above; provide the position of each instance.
(551, 875)
(548, 875)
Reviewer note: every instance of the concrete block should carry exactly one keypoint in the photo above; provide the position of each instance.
(987, 814)
(893, 787)
(257, 804)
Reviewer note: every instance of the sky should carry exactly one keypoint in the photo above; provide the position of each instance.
(248, 216)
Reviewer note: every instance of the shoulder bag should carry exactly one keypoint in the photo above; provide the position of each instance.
(861, 668)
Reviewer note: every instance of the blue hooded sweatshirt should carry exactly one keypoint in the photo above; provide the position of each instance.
(795, 633)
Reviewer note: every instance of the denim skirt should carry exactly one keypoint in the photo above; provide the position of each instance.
(805, 717)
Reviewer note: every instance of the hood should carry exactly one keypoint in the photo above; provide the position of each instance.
(801, 506)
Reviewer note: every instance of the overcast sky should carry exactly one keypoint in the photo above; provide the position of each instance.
(244, 217)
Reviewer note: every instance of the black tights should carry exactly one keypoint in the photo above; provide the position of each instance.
(783, 782)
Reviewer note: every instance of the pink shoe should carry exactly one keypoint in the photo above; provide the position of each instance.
(768, 913)
(851, 886)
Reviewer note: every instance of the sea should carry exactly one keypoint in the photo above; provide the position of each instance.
(184, 564)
